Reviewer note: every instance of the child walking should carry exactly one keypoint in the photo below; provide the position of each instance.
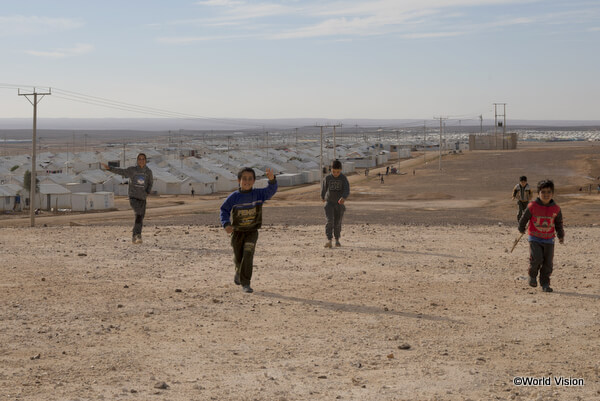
(241, 216)
(334, 192)
(140, 185)
(545, 222)
(522, 193)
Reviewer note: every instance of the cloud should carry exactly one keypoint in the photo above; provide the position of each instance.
(78, 49)
(410, 19)
(428, 35)
(32, 25)
(226, 3)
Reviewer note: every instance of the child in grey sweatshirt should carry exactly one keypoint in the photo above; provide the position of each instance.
(140, 185)
(334, 192)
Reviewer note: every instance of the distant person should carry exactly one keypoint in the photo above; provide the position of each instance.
(599, 188)
(366, 172)
(387, 170)
(544, 221)
(17, 206)
(140, 185)
(522, 193)
(334, 192)
(381, 179)
(193, 192)
(241, 216)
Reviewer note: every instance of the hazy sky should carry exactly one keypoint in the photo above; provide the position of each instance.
(317, 59)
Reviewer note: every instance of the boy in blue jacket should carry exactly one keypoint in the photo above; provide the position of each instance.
(241, 216)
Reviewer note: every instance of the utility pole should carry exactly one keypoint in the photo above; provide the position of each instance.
(33, 185)
(424, 142)
(334, 156)
(321, 159)
(481, 124)
(441, 133)
(496, 115)
(334, 145)
(296, 137)
(123, 154)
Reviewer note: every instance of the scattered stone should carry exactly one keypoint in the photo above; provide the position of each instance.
(177, 289)
(322, 377)
(161, 386)
(390, 356)
(82, 254)
(38, 356)
(404, 346)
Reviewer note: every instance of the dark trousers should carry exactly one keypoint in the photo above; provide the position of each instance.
(541, 258)
(522, 207)
(244, 244)
(139, 208)
(334, 213)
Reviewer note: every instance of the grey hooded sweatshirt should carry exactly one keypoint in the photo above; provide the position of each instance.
(140, 180)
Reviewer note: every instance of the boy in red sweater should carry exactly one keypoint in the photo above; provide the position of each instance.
(545, 222)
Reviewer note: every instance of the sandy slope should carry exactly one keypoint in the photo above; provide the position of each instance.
(87, 315)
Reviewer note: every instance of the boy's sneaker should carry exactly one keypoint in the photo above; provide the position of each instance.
(236, 279)
(137, 239)
(328, 244)
(247, 288)
(337, 243)
(547, 288)
(532, 281)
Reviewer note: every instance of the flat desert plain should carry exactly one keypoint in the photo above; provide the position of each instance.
(423, 301)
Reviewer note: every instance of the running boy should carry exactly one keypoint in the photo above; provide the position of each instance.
(244, 207)
(522, 193)
(545, 221)
(334, 191)
(140, 185)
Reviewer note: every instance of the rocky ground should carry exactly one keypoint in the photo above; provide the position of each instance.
(423, 300)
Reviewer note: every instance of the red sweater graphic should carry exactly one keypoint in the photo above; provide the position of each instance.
(545, 221)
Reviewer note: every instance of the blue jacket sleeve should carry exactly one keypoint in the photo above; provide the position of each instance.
(268, 192)
(226, 211)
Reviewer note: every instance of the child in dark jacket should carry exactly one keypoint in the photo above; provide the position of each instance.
(335, 190)
(545, 222)
(241, 216)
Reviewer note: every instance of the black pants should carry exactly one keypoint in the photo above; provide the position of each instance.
(139, 208)
(244, 244)
(522, 207)
(334, 213)
(541, 256)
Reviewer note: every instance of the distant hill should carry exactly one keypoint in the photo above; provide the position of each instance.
(166, 124)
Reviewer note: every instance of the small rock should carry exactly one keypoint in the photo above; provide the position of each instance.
(404, 346)
(390, 356)
(322, 377)
(38, 356)
(82, 254)
(161, 386)
(177, 289)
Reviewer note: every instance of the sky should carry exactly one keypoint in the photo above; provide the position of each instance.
(376, 59)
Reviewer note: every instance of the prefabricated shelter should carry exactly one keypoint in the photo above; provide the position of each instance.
(288, 180)
(8, 193)
(84, 201)
(165, 183)
(53, 196)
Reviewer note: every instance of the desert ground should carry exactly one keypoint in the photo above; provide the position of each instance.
(423, 301)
